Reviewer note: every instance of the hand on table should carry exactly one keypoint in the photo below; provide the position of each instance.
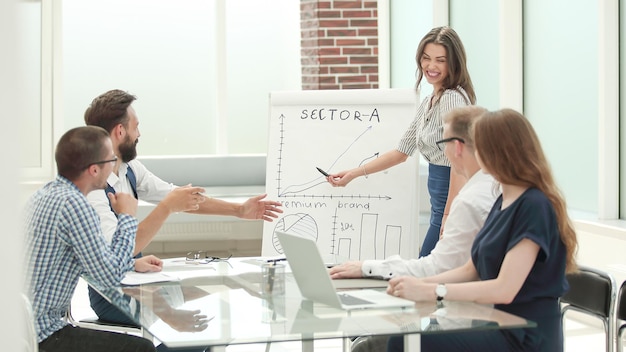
(148, 263)
(347, 270)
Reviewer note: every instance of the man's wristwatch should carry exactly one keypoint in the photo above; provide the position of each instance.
(441, 292)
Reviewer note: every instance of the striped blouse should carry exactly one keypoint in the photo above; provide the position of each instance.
(429, 120)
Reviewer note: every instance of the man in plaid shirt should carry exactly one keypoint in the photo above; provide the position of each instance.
(64, 241)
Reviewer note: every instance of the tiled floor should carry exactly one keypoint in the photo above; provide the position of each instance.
(581, 334)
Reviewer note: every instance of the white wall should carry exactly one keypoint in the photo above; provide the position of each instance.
(602, 246)
(13, 101)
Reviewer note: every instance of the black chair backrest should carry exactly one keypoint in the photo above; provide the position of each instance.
(589, 290)
(621, 302)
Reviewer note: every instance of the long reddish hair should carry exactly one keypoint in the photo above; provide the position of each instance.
(510, 150)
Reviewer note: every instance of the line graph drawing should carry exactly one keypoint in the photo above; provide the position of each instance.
(297, 189)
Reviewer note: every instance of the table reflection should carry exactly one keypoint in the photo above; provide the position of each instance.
(224, 305)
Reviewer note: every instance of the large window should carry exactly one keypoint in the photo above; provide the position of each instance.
(410, 21)
(561, 92)
(201, 69)
(481, 42)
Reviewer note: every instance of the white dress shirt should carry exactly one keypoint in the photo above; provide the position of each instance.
(150, 188)
(468, 212)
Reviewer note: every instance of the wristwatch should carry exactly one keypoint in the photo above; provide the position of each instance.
(441, 292)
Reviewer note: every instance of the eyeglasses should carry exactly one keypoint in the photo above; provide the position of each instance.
(441, 144)
(202, 257)
(102, 161)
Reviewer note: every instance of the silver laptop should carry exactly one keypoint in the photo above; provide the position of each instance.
(315, 284)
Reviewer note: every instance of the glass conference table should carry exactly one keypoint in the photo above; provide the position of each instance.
(220, 303)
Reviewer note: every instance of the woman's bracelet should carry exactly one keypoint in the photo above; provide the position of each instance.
(364, 172)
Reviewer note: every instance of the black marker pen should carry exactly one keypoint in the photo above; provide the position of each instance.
(323, 172)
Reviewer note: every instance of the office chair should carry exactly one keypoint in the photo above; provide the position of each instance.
(369, 343)
(30, 337)
(96, 324)
(592, 292)
(620, 316)
(80, 295)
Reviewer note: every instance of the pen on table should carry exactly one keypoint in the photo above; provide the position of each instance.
(275, 260)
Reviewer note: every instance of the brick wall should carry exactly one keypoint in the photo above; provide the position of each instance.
(339, 44)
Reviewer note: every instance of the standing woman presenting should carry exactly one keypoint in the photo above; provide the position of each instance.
(441, 60)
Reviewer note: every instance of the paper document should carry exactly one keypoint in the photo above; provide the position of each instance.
(174, 269)
(134, 278)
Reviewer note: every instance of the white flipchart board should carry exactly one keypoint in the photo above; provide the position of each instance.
(335, 130)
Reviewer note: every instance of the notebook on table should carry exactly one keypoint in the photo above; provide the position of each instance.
(315, 284)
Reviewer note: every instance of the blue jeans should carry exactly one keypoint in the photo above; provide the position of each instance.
(438, 185)
(106, 311)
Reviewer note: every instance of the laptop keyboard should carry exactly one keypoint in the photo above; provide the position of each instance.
(351, 300)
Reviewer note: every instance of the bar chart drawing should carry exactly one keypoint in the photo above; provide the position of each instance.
(369, 242)
(365, 243)
(373, 216)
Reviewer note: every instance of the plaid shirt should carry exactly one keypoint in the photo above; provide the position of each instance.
(64, 241)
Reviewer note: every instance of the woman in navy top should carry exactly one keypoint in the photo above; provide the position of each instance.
(519, 258)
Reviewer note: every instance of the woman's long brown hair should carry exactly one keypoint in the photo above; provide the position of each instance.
(510, 150)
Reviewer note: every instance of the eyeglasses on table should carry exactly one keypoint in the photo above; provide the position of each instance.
(202, 257)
